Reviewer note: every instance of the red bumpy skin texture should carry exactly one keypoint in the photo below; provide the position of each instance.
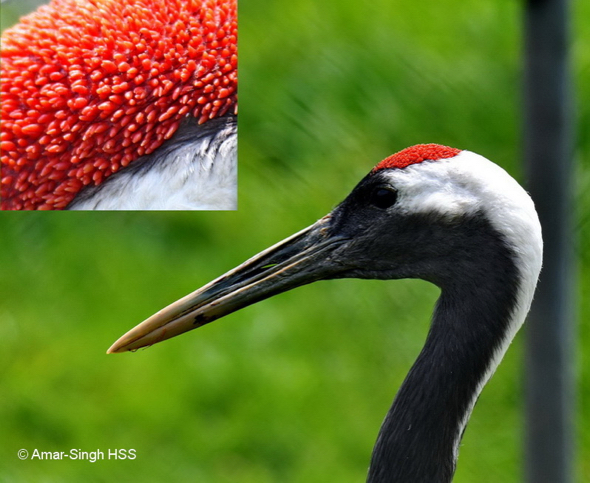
(88, 86)
(417, 154)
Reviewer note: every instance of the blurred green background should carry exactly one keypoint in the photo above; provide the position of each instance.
(293, 389)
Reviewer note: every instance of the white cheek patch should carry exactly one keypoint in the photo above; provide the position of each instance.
(432, 193)
(450, 187)
(196, 178)
(464, 184)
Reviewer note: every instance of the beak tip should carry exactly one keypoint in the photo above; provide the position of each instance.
(115, 349)
(123, 344)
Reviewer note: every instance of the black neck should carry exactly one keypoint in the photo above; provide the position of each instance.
(419, 439)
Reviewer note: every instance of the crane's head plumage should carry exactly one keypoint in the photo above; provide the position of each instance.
(421, 213)
(448, 182)
(89, 86)
(416, 154)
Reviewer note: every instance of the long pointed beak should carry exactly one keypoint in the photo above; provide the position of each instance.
(302, 258)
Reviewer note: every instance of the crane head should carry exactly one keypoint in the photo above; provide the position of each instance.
(426, 212)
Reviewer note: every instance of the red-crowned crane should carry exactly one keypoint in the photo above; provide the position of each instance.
(120, 104)
(447, 216)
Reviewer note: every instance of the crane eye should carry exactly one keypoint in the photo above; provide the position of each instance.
(383, 197)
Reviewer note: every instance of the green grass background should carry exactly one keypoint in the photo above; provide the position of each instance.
(295, 388)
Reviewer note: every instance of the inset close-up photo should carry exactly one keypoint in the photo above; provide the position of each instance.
(120, 105)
